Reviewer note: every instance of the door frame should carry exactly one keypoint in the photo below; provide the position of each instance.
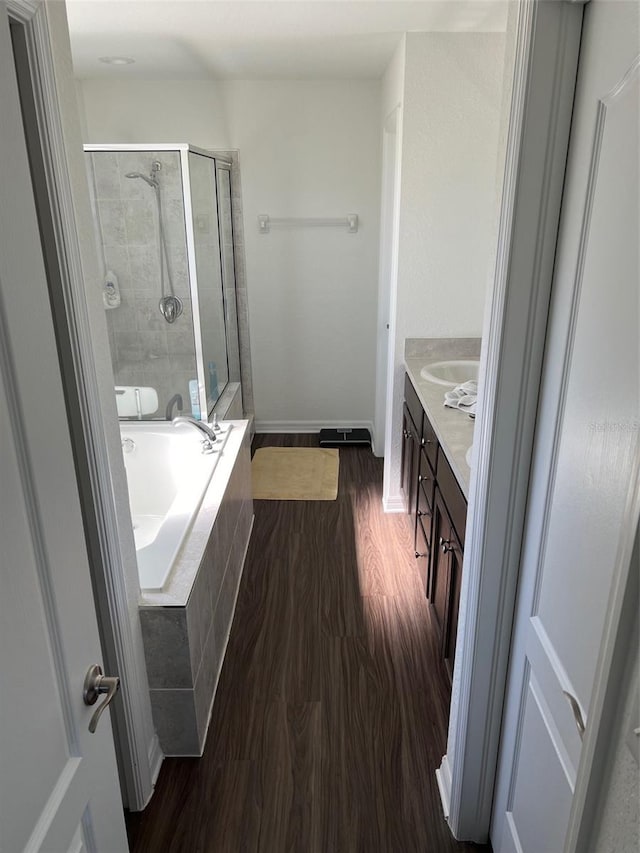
(79, 321)
(515, 325)
(546, 65)
(546, 60)
(388, 269)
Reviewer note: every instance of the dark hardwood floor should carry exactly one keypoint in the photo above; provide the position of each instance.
(331, 713)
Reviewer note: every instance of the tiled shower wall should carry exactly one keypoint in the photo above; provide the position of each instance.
(145, 349)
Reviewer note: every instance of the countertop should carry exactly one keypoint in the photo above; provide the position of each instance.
(453, 428)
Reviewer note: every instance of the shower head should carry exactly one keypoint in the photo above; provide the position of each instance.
(151, 181)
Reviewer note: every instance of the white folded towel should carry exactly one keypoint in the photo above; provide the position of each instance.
(463, 397)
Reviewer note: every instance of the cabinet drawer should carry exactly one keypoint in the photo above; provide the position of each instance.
(423, 555)
(429, 442)
(453, 497)
(413, 404)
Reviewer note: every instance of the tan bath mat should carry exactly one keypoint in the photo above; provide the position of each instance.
(295, 474)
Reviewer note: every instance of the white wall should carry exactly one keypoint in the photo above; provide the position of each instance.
(154, 111)
(451, 121)
(310, 148)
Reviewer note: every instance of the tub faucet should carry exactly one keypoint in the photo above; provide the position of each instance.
(175, 400)
(210, 436)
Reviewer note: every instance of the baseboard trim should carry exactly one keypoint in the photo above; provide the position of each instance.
(395, 504)
(156, 757)
(443, 778)
(311, 426)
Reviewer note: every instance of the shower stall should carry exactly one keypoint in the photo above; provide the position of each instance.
(165, 233)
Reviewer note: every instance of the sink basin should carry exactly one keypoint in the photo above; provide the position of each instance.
(451, 373)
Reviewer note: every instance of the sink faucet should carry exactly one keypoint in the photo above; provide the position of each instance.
(175, 400)
(210, 436)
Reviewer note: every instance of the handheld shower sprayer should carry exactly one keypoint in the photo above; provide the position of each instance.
(170, 305)
(151, 181)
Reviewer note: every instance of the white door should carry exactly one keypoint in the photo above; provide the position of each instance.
(581, 516)
(58, 783)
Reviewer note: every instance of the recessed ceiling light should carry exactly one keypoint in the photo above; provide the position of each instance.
(116, 60)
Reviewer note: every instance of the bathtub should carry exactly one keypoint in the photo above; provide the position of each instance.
(167, 477)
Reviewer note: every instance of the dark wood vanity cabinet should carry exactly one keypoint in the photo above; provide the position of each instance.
(439, 510)
(410, 459)
(446, 571)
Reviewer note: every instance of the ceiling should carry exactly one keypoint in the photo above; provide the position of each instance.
(260, 38)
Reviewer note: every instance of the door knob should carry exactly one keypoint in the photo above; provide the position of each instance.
(96, 683)
(577, 713)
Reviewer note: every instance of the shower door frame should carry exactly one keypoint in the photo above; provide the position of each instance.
(184, 149)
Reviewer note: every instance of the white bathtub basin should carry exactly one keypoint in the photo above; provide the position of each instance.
(451, 373)
(167, 476)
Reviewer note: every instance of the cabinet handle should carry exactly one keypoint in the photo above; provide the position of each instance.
(418, 555)
(445, 545)
(420, 478)
(422, 512)
(426, 441)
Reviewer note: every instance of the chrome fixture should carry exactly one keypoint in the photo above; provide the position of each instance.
(175, 400)
(577, 713)
(116, 60)
(215, 426)
(96, 683)
(170, 305)
(210, 436)
(128, 445)
(350, 221)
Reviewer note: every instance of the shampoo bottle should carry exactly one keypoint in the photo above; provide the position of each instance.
(194, 397)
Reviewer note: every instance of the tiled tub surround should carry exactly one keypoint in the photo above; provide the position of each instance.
(453, 428)
(185, 627)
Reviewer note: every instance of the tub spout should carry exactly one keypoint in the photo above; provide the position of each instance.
(209, 434)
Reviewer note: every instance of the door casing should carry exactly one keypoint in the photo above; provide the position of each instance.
(82, 340)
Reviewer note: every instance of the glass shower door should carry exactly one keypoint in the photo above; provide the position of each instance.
(225, 221)
(208, 269)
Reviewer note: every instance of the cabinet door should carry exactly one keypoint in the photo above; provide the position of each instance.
(410, 461)
(454, 554)
(439, 592)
